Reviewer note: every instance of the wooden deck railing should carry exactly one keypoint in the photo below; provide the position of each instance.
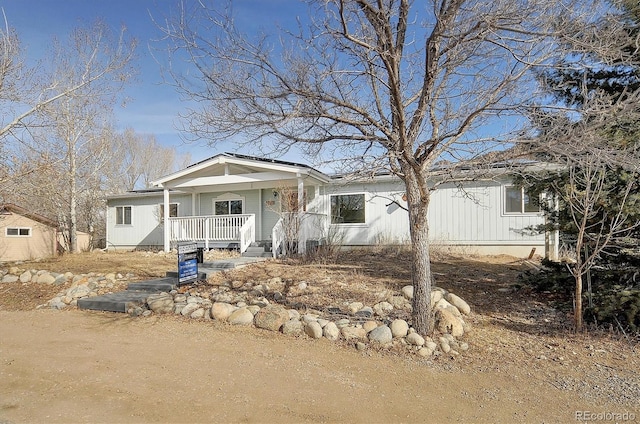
(214, 228)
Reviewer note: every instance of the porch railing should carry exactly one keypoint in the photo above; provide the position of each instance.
(214, 228)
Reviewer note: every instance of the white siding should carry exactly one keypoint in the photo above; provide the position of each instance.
(470, 217)
(145, 230)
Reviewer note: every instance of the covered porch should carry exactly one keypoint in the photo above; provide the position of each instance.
(215, 231)
(239, 200)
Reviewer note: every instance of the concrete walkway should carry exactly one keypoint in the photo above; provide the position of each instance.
(138, 292)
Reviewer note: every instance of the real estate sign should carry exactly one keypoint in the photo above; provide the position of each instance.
(187, 263)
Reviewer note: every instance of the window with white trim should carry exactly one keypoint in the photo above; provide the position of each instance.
(348, 209)
(228, 207)
(123, 215)
(518, 200)
(18, 232)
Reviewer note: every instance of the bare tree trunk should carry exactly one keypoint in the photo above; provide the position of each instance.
(73, 216)
(578, 311)
(420, 261)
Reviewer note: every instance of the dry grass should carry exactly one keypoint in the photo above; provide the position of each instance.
(514, 329)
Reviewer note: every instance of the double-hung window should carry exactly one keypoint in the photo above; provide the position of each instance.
(123, 215)
(518, 200)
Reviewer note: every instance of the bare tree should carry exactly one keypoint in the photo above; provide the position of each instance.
(144, 159)
(84, 80)
(393, 84)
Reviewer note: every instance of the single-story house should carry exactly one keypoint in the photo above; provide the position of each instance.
(233, 200)
(25, 235)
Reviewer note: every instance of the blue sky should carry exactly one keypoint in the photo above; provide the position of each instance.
(153, 107)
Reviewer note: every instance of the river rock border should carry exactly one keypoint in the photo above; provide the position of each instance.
(259, 306)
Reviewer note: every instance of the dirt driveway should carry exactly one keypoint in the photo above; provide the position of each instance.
(79, 366)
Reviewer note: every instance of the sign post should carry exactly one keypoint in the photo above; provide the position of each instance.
(187, 263)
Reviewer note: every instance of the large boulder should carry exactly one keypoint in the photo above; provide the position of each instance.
(293, 327)
(458, 303)
(271, 317)
(221, 311)
(242, 316)
(313, 329)
(353, 333)
(448, 322)
(160, 303)
(381, 334)
(399, 328)
(331, 331)
(46, 278)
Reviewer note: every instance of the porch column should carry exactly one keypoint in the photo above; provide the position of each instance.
(302, 236)
(300, 194)
(167, 230)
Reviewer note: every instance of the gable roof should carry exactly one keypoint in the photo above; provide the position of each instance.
(11, 208)
(234, 168)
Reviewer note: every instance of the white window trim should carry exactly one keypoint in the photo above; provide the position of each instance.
(349, 224)
(227, 197)
(116, 212)
(6, 232)
(522, 212)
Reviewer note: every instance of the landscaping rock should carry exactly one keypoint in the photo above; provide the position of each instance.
(161, 303)
(382, 308)
(354, 307)
(399, 328)
(415, 339)
(407, 292)
(353, 333)
(46, 278)
(198, 313)
(292, 327)
(222, 311)
(271, 317)
(381, 334)
(447, 322)
(25, 277)
(459, 303)
(242, 316)
(313, 329)
(189, 309)
(9, 278)
(370, 325)
(331, 331)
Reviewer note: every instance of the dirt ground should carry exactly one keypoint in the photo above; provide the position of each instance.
(524, 364)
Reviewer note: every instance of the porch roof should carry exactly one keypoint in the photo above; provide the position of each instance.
(230, 171)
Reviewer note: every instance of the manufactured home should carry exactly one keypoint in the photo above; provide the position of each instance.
(238, 201)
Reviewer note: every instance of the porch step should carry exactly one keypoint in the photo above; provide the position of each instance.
(257, 252)
(135, 293)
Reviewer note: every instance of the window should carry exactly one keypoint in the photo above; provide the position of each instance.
(173, 211)
(123, 215)
(517, 200)
(18, 232)
(228, 207)
(347, 209)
